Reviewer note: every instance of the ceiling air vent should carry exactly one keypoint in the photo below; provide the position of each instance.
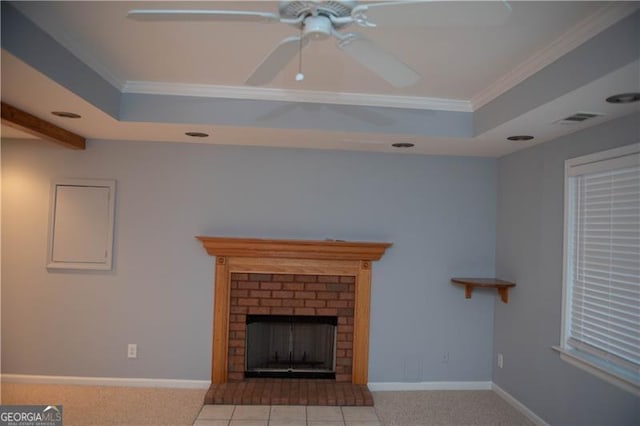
(578, 117)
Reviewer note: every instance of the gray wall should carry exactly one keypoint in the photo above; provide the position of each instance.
(529, 252)
(439, 212)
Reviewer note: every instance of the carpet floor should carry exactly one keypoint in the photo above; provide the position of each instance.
(127, 406)
(111, 405)
(442, 408)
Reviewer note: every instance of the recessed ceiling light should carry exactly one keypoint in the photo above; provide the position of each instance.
(520, 138)
(402, 145)
(624, 98)
(197, 134)
(66, 114)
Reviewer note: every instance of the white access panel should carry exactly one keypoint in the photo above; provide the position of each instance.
(82, 219)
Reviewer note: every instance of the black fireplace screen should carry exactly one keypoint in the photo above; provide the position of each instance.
(290, 346)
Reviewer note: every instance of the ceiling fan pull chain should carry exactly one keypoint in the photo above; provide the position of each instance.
(300, 76)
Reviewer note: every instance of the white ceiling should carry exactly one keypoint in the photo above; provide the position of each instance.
(225, 53)
(462, 67)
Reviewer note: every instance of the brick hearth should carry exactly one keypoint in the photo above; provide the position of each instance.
(289, 294)
(289, 392)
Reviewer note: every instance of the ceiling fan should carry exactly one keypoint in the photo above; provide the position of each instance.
(321, 19)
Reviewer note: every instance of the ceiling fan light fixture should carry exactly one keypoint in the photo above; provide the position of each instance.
(197, 134)
(520, 138)
(624, 98)
(317, 27)
(66, 114)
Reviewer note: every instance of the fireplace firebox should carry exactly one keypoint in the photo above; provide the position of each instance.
(291, 346)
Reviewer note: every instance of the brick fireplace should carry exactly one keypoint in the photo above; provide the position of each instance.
(295, 278)
(291, 295)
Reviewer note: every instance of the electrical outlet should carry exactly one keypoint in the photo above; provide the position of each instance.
(132, 350)
(500, 360)
(445, 358)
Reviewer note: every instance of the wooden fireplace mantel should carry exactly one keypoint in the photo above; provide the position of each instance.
(293, 249)
(327, 257)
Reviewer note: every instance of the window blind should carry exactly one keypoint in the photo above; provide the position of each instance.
(604, 247)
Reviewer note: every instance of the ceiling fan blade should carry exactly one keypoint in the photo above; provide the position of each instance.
(276, 60)
(377, 60)
(432, 13)
(200, 15)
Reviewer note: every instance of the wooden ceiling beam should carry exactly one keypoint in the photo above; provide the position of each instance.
(21, 120)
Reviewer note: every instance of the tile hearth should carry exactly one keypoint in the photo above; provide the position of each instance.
(281, 415)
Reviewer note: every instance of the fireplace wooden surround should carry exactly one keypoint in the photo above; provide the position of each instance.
(293, 258)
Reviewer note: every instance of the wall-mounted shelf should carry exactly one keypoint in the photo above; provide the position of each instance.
(470, 283)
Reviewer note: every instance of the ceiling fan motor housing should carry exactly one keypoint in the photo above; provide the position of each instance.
(292, 9)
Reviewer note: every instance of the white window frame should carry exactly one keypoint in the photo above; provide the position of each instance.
(590, 363)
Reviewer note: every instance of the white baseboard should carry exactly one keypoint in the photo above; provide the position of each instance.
(105, 381)
(418, 386)
(518, 405)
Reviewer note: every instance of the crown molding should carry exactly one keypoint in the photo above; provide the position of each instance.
(589, 27)
(287, 95)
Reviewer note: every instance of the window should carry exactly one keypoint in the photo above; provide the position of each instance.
(601, 312)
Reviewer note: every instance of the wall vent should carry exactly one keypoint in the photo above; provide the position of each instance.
(578, 117)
